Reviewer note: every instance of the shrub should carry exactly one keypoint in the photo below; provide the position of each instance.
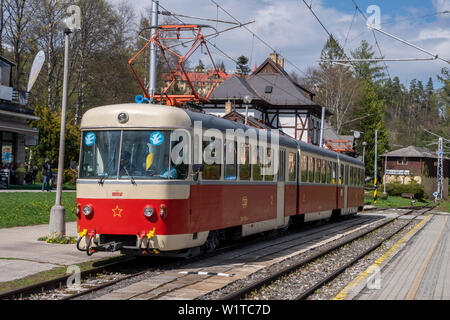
(70, 176)
(397, 189)
(381, 195)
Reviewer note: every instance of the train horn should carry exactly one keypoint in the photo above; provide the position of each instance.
(139, 99)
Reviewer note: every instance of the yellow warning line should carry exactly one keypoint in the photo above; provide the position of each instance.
(343, 294)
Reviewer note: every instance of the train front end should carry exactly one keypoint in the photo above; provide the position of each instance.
(131, 196)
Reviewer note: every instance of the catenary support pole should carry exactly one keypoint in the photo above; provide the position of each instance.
(322, 126)
(375, 168)
(153, 53)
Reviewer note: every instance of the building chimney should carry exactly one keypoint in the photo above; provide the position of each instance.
(277, 59)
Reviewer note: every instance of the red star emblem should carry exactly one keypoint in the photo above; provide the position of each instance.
(117, 211)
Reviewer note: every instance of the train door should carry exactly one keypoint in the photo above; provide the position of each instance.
(341, 203)
(346, 171)
(280, 189)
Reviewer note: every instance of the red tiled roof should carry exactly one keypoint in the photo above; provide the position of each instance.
(197, 76)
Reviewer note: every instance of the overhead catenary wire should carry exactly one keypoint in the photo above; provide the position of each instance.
(416, 17)
(258, 37)
(374, 36)
(323, 26)
(234, 60)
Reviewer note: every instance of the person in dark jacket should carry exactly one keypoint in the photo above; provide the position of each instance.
(47, 173)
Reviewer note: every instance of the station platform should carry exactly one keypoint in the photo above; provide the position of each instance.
(22, 255)
(420, 270)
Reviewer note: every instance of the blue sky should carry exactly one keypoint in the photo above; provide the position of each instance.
(290, 28)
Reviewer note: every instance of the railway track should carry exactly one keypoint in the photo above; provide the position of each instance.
(92, 283)
(253, 288)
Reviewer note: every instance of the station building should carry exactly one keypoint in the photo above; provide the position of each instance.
(15, 132)
(416, 163)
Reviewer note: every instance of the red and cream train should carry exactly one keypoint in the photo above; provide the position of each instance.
(132, 197)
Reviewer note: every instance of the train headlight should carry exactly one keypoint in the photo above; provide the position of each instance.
(148, 212)
(163, 211)
(87, 210)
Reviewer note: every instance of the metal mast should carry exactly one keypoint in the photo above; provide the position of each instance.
(153, 53)
(440, 170)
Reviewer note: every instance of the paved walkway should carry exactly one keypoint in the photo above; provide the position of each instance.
(421, 271)
(22, 255)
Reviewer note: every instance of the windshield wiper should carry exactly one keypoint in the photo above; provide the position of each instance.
(132, 179)
(102, 180)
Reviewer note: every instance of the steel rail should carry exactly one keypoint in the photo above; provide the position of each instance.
(242, 293)
(58, 282)
(310, 291)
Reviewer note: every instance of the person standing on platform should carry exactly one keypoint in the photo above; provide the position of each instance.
(47, 173)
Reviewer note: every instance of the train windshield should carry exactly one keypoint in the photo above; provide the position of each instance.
(129, 155)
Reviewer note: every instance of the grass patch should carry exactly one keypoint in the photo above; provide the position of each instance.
(444, 207)
(38, 186)
(395, 202)
(27, 209)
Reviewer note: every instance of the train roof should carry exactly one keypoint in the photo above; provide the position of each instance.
(142, 115)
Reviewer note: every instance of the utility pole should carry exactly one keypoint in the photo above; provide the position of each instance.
(321, 127)
(375, 168)
(440, 170)
(440, 165)
(153, 53)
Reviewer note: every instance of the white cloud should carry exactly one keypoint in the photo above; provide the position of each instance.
(289, 27)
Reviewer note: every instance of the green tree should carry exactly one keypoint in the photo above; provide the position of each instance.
(372, 104)
(370, 71)
(242, 68)
(49, 127)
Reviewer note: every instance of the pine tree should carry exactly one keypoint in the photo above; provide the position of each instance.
(370, 71)
(374, 106)
(242, 68)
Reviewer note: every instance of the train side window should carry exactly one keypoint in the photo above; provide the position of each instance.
(230, 161)
(212, 171)
(318, 170)
(311, 169)
(244, 162)
(304, 166)
(292, 167)
(324, 171)
(269, 161)
(257, 166)
(341, 174)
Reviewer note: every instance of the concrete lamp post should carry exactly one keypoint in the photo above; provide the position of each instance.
(247, 100)
(57, 225)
